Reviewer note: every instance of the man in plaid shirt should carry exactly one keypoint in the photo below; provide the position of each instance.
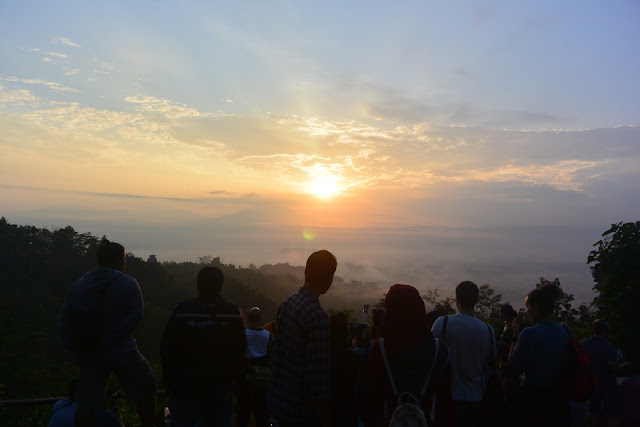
(299, 388)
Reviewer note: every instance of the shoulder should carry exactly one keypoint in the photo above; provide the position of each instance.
(460, 322)
(320, 317)
(528, 333)
(125, 278)
(562, 331)
(227, 306)
(437, 324)
(186, 304)
(61, 403)
(128, 281)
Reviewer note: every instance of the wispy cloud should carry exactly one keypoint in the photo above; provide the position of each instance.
(64, 41)
(16, 96)
(49, 55)
(51, 85)
(560, 175)
(103, 67)
(57, 54)
(171, 110)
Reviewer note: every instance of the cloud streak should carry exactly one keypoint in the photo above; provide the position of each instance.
(38, 82)
(17, 96)
(65, 41)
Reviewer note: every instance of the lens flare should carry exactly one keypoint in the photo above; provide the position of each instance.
(309, 235)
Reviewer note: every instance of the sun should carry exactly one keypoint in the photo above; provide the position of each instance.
(324, 186)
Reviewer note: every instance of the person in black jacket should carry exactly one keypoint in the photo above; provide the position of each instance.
(202, 351)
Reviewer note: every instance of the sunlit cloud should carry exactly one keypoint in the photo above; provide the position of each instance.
(16, 96)
(560, 175)
(49, 55)
(171, 110)
(324, 157)
(51, 85)
(57, 54)
(64, 41)
(102, 67)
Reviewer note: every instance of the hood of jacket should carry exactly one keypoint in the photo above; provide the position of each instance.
(87, 291)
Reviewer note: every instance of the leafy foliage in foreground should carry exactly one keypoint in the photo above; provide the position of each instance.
(616, 271)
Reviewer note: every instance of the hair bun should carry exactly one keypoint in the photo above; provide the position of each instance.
(552, 291)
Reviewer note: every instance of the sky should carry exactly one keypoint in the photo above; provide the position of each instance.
(429, 142)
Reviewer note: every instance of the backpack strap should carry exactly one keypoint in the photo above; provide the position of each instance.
(484, 366)
(388, 368)
(492, 343)
(444, 327)
(433, 364)
(392, 381)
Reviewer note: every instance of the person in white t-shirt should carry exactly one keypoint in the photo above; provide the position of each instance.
(252, 394)
(471, 342)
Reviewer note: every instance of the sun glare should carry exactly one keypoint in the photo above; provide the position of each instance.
(324, 187)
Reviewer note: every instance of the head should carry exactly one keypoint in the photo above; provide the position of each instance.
(254, 318)
(507, 313)
(210, 281)
(339, 331)
(540, 302)
(600, 328)
(111, 255)
(466, 295)
(319, 271)
(405, 318)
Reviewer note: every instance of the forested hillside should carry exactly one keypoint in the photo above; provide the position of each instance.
(38, 266)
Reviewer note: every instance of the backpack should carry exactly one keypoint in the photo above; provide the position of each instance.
(258, 376)
(409, 412)
(582, 381)
(259, 372)
(81, 329)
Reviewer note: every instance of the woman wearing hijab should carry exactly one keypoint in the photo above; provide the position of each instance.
(410, 350)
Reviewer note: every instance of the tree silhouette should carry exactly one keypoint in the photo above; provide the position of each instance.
(616, 271)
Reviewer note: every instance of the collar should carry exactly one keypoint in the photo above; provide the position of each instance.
(307, 293)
